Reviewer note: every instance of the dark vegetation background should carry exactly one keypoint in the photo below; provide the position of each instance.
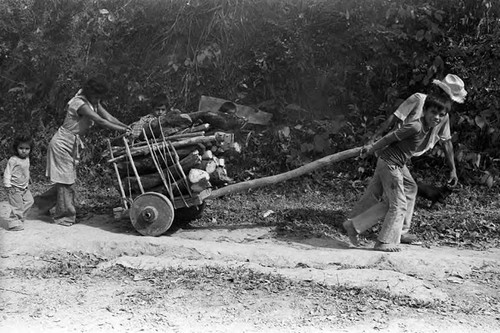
(330, 71)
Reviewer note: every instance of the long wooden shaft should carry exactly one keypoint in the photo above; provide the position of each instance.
(179, 166)
(322, 162)
(185, 135)
(133, 165)
(122, 190)
(158, 167)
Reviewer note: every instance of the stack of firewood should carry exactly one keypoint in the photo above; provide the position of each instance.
(173, 155)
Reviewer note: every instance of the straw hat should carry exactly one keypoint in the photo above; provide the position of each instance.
(453, 86)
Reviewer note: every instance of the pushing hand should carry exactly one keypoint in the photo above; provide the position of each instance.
(128, 132)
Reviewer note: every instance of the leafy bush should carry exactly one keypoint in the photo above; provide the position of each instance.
(317, 64)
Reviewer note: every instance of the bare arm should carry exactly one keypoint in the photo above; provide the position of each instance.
(450, 160)
(380, 144)
(85, 110)
(388, 123)
(106, 115)
(402, 133)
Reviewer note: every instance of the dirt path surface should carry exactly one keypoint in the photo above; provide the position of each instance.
(329, 287)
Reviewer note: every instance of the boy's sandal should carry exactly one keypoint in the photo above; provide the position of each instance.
(17, 228)
(64, 223)
(385, 247)
(409, 239)
(16, 225)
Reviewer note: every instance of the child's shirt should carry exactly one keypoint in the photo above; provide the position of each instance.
(73, 122)
(17, 172)
(139, 125)
(410, 139)
(412, 109)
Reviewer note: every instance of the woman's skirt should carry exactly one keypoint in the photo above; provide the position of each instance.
(62, 157)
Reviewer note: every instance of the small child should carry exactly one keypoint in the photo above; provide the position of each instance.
(159, 105)
(388, 181)
(16, 179)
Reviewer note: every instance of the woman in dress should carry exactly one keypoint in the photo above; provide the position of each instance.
(82, 112)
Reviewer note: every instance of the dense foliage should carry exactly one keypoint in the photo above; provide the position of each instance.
(329, 70)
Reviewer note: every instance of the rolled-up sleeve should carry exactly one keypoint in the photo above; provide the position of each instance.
(444, 132)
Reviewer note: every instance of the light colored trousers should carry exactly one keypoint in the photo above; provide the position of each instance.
(391, 195)
(61, 196)
(20, 202)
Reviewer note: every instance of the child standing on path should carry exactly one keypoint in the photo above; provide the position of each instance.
(396, 148)
(16, 179)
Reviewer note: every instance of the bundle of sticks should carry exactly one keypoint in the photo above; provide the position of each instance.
(177, 161)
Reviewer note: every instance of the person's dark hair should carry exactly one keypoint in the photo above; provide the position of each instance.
(439, 92)
(95, 86)
(21, 138)
(159, 100)
(227, 107)
(439, 102)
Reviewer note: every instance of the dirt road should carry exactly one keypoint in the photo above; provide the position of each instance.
(101, 276)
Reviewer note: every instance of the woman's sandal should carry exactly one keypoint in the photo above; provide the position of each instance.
(17, 228)
(385, 247)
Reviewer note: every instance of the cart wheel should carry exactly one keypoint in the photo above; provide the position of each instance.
(151, 214)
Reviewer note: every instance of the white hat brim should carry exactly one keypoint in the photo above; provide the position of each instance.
(456, 97)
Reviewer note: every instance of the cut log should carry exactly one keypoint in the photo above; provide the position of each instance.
(143, 147)
(200, 186)
(219, 177)
(202, 127)
(271, 180)
(183, 152)
(208, 165)
(149, 181)
(143, 165)
(196, 175)
(136, 151)
(168, 131)
(191, 161)
(207, 155)
(178, 188)
(184, 135)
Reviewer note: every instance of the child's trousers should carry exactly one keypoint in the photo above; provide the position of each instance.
(20, 201)
(374, 195)
(389, 181)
